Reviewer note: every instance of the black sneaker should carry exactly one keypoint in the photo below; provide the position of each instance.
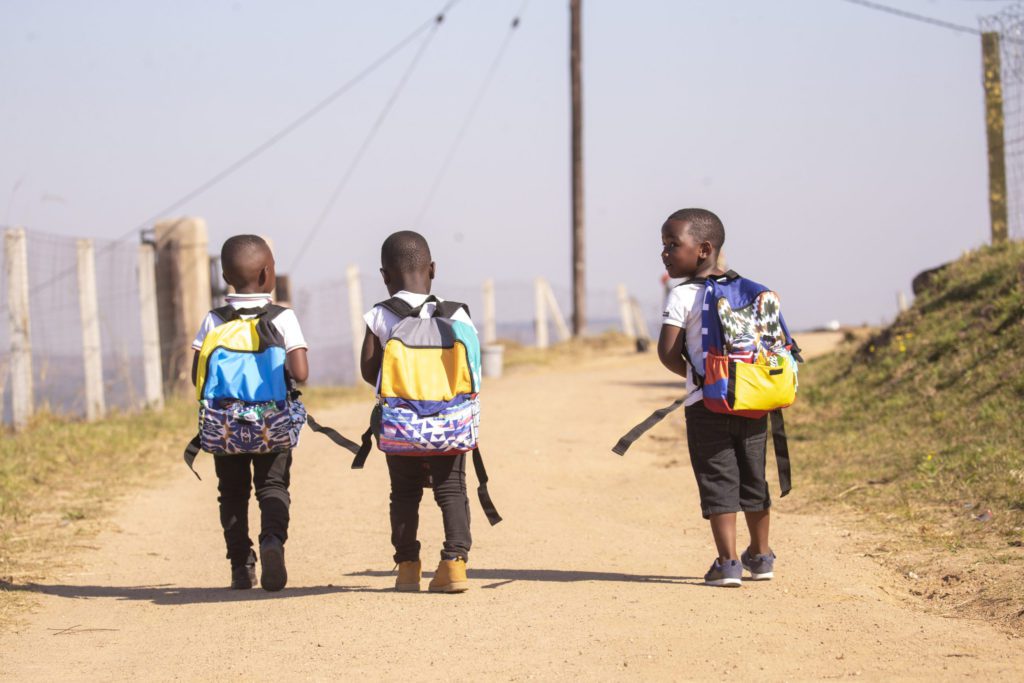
(274, 576)
(243, 576)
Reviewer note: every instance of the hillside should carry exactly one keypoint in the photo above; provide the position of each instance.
(920, 426)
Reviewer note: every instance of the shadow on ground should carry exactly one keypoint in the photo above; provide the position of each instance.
(169, 594)
(506, 576)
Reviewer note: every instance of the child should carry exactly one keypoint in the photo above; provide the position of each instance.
(407, 271)
(248, 266)
(727, 451)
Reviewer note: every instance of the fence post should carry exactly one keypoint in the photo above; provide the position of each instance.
(355, 313)
(92, 352)
(556, 313)
(642, 332)
(625, 313)
(490, 322)
(995, 135)
(540, 320)
(16, 257)
(151, 371)
(183, 294)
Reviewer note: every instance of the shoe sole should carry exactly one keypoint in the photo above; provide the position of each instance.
(724, 583)
(763, 576)
(274, 576)
(456, 587)
(407, 587)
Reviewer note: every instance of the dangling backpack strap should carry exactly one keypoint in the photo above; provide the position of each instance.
(481, 491)
(367, 439)
(636, 432)
(332, 434)
(191, 451)
(781, 444)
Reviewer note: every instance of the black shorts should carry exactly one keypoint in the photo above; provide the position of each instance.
(727, 453)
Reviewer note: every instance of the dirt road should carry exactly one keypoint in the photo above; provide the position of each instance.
(595, 573)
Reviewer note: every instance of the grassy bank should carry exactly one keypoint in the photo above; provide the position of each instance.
(920, 427)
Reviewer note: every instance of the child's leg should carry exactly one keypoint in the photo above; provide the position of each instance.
(758, 523)
(755, 499)
(272, 477)
(713, 457)
(407, 478)
(723, 528)
(234, 482)
(449, 475)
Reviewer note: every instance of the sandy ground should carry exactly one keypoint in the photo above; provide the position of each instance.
(594, 574)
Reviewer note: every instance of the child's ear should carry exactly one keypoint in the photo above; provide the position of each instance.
(263, 276)
(432, 270)
(386, 276)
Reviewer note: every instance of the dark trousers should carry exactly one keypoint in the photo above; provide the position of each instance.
(408, 476)
(236, 474)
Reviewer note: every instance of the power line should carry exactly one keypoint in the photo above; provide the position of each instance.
(255, 152)
(470, 114)
(371, 134)
(915, 17)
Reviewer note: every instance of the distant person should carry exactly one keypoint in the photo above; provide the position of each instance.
(423, 356)
(727, 444)
(248, 353)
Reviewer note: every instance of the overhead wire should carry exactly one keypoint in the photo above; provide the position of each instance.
(470, 113)
(276, 137)
(915, 17)
(368, 139)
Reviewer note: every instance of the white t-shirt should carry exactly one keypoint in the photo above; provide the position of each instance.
(286, 322)
(381, 321)
(683, 309)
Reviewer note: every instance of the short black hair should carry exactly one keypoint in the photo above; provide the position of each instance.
(239, 257)
(703, 225)
(405, 251)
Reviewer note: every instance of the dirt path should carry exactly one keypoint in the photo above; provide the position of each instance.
(594, 574)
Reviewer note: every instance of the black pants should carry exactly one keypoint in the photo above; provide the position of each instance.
(408, 476)
(236, 474)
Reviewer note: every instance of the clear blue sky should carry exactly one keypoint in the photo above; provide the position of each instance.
(843, 148)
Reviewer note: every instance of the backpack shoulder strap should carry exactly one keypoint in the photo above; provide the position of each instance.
(274, 310)
(446, 309)
(397, 305)
(226, 313)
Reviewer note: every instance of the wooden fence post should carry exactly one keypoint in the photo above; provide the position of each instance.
(152, 373)
(490, 322)
(556, 313)
(625, 313)
(640, 321)
(16, 258)
(355, 312)
(540, 320)
(92, 352)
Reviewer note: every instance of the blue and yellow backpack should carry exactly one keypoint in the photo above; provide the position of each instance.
(749, 360)
(247, 401)
(428, 389)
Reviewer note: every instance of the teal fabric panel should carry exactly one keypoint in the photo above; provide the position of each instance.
(467, 335)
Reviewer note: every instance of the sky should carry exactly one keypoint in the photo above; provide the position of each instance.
(843, 148)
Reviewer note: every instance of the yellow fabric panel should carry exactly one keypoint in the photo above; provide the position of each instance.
(430, 374)
(237, 335)
(758, 389)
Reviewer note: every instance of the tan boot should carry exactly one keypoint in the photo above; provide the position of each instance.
(450, 577)
(409, 574)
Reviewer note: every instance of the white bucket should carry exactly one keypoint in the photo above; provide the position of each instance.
(492, 358)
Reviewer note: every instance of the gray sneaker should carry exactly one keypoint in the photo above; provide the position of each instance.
(761, 567)
(729, 574)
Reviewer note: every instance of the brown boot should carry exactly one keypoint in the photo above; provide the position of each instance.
(450, 577)
(409, 574)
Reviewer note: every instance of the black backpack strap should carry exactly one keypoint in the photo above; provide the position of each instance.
(398, 306)
(446, 309)
(226, 313)
(698, 379)
(191, 451)
(274, 310)
(781, 444)
(331, 434)
(636, 432)
(367, 439)
(485, 497)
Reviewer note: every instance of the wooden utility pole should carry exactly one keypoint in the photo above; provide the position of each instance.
(579, 316)
(992, 65)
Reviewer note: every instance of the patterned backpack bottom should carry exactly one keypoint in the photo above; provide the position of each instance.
(228, 426)
(452, 430)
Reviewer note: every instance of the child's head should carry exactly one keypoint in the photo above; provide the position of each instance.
(248, 264)
(405, 263)
(691, 240)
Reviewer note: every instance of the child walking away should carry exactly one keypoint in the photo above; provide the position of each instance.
(248, 353)
(726, 335)
(423, 355)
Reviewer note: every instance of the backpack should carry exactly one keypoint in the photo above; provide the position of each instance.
(247, 401)
(428, 390)
(749, 360)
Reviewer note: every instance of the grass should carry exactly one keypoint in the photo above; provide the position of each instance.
(919, 426)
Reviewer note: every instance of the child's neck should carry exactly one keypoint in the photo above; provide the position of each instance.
(709, 268)
(418, 286)
(250, 289)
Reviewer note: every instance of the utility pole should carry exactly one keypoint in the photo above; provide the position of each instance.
(992, 66)
(579, 316)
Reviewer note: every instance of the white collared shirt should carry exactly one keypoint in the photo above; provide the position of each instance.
(286, 323)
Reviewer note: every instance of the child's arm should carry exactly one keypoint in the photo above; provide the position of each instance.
(297, 364)
(670, 349)
(370, 358)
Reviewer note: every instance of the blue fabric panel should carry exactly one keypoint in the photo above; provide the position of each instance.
(250, 377)
(425, 408)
